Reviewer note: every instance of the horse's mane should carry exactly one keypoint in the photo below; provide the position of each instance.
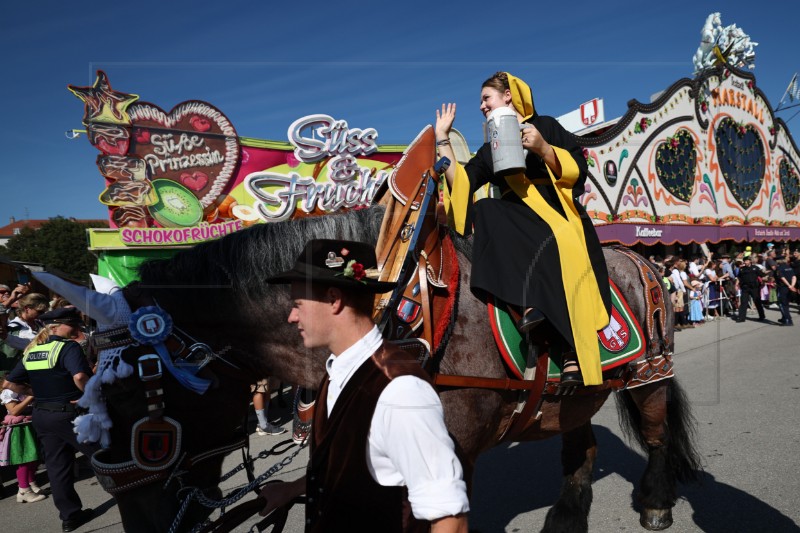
(215, 278)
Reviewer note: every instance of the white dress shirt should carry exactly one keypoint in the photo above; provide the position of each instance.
(408, 443)
(22, 336)
(677, 278)
(694, 269)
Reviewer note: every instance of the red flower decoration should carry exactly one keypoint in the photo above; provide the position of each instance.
(358, 271)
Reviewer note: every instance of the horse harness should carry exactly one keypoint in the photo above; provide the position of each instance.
(156, 440)
(411, 250)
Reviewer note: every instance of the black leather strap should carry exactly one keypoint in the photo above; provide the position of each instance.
(56, 407)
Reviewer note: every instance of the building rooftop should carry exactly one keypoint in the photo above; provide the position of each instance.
(15, 226)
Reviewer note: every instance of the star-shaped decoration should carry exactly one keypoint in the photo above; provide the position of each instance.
(103, 104)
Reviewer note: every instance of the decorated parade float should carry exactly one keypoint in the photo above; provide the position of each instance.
(706, 161)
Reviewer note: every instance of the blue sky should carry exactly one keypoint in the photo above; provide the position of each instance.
(381, 65)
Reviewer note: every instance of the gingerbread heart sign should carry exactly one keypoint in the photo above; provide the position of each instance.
(740, 153)
(790, 184)
(194, 145)
(676, 163)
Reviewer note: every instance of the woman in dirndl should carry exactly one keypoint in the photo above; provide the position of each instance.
(534, 247)
(19, 445)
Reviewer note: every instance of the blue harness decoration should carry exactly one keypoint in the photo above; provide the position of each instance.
(151, 326)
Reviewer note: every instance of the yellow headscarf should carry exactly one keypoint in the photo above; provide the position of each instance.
(521, 96)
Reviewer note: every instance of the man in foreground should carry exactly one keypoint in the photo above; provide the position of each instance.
(381, 457)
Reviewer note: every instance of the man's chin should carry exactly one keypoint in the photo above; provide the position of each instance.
(309, 344)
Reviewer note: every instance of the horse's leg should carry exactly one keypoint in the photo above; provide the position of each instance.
(571, 511)
(657, 487)
(659, 416)
(666, 428)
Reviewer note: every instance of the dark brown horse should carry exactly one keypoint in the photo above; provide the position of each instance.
(215, 292)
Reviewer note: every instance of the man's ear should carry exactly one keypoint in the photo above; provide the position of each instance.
(335, 298)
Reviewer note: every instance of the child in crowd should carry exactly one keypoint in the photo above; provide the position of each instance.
(769, 283)
(695, 303)
(18, 444)
(773, 292)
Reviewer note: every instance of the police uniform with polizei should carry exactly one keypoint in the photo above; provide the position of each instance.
(56, 370)
(748, 282)
(787, 284)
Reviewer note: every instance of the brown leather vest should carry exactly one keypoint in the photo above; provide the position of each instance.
(342, 496)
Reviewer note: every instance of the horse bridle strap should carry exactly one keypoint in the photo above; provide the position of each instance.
(475, 382)
(116, 478)
(155, 439)
(113, 338)
(118, 337)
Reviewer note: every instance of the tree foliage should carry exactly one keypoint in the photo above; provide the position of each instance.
(59, 243)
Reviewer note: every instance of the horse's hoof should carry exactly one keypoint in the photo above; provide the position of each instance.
(656, 519)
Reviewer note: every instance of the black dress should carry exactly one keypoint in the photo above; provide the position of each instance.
(515, 254)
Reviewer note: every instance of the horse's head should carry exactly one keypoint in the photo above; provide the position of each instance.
(160, 437)
(215, 295)
(164, 435)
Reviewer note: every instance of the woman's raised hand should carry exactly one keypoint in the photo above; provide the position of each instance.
(444, 121)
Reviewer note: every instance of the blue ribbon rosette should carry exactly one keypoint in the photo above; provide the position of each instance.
(151, 326)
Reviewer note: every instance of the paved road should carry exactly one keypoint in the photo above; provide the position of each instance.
(744, 383)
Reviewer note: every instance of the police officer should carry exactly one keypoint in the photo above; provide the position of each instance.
(56, 370)
(787, 284)
(748, 282)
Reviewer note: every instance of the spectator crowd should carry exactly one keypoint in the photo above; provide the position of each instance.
(705, 288)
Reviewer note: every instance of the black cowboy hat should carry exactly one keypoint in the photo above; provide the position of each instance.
(345, 264)
(63, 315)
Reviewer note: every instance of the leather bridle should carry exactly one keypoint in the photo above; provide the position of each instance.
(164, 460)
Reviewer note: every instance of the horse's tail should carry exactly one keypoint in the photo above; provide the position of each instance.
(682, 455)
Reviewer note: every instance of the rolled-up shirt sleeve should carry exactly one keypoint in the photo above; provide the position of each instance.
(409, 445)
(18, 343)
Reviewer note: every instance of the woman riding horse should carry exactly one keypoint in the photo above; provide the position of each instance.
(535, 247)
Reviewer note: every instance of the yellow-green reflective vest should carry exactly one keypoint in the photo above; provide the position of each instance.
(43, 357)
